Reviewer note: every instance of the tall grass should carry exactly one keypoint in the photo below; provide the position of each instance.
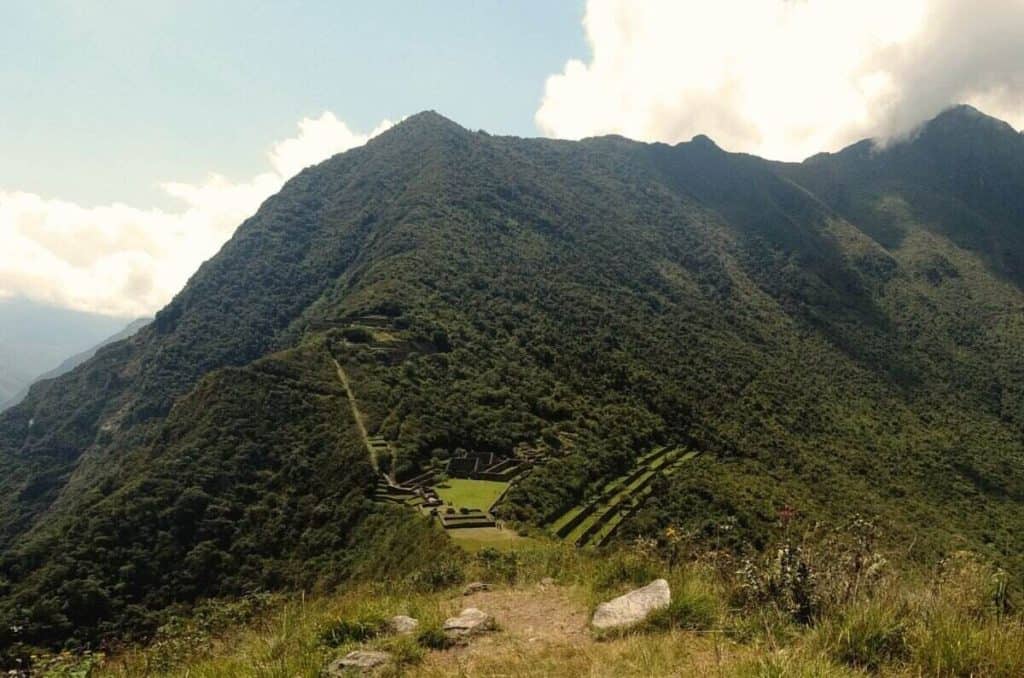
(952, 620)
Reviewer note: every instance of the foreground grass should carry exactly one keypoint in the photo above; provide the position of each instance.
(726, 619)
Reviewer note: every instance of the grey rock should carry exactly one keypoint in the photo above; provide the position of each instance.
(358, 661)
(475, 587)
(470, 621)
(401, 624)
(632, 607)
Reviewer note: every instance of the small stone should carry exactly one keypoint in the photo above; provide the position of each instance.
(475, 587)
(357, 661)
(402, 625)
(547, 581)
(468, 622)
(632, 607)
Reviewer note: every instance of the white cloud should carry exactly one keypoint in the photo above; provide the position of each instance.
(290, 156)
(785, 78)
(129, 261)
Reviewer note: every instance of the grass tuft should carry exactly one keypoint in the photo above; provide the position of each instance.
(869, 635)
(696, 605)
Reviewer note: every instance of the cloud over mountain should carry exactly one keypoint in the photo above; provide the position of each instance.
(123, 260)
(785, 79)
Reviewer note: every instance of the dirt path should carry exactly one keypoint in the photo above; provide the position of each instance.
(532, 621)
(356, 413)
(543, 631)
(546, 614)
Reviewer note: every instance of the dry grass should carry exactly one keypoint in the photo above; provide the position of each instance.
(952, 621)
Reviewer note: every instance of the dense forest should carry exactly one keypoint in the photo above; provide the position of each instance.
(840, 336)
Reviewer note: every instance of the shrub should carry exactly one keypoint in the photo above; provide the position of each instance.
(786, 580)
(357, 335)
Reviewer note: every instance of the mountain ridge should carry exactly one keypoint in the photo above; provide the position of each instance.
(803, 325)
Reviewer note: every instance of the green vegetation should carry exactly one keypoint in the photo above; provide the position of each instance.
(595, 521)
(833, 337)
(952, 618)
(229, 504)
(463, 492)
(474, 539)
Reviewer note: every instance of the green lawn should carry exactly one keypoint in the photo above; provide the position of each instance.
(464, 493)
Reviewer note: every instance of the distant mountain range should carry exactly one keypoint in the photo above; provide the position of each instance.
(35, 337)
(838, 337)
(74, 361)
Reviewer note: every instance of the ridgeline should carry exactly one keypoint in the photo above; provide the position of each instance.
(835, 337)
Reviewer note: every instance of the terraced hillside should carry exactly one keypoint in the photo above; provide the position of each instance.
(594, 522)
(839, 336)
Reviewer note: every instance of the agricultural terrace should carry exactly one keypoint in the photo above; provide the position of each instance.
(595, 521)
(466, 493)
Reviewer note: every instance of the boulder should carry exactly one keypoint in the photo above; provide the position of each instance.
(632, 607)
(358, 661)
(401, 624)
(468, 622)
(475, 587)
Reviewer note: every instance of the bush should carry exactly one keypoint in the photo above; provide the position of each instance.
(357, 335)
(786, 580)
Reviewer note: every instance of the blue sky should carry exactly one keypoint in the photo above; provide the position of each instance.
(137, 134)
(102, 101)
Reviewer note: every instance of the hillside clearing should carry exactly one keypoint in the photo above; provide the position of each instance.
(466, 493)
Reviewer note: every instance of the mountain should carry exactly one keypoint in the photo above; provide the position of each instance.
(34, 337)
(841, 337)
(74, 361)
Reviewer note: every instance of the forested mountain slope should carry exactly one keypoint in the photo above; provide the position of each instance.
(840, 336)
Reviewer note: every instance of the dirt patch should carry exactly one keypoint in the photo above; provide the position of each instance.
(531, 620)
(538, 614)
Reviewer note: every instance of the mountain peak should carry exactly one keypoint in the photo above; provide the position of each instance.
(964, 118)
(704, 141)
(423, 130)
(429, 120)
